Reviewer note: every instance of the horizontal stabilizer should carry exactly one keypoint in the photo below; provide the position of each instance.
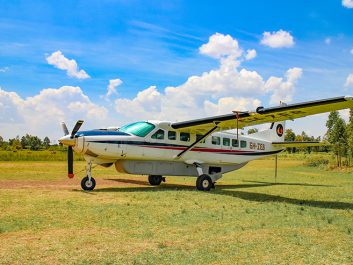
(300, 144)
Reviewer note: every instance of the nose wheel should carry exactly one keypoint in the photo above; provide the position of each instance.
(88, 183)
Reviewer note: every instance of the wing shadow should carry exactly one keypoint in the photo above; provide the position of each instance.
(231, 190)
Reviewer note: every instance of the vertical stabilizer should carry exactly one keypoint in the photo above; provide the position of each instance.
(274, 134)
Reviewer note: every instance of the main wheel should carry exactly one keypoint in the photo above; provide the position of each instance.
(204, 182)
(155, 180)
(88, 185)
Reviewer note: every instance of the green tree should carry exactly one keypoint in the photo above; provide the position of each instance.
(46, 142)
(31, 142)
(15, 143)
(289, 136)
(35, 143)
(349, 134)
(332, 119)
(337, 136)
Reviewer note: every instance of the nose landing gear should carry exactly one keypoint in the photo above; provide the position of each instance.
(88, 183)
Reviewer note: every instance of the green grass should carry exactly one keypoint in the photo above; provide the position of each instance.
(27, 155)
(306, 217)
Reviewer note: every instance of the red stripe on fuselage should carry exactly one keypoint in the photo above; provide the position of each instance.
(198, 149)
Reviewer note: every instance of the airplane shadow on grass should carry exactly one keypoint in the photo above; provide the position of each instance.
(230, 190)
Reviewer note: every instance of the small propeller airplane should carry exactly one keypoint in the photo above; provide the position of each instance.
(203, 148)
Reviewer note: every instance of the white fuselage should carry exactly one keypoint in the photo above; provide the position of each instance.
(153, 152)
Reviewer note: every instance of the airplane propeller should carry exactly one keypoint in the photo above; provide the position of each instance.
(68, 140)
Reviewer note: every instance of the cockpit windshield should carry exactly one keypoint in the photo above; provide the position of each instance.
(140, 128)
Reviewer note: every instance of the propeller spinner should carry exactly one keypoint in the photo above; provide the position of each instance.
(69, 140)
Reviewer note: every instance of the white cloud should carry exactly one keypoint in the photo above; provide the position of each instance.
(217, 91)
(250, 54)
(277, 39)
(220, 45)
(220, 90)
(352, 51)
(283, 90)
(347, 3)
(328, 41)
(58, 60)
(4, 69)
(349, 81)
(113, 84)
(229, 104)
(146, 105)
(41, 114)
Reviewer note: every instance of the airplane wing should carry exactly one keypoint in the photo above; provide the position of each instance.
(300, 144)
(264, 115)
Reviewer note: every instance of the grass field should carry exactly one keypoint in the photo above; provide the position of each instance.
(304, 218)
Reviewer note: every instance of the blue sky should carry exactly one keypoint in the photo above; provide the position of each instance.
(157, 43)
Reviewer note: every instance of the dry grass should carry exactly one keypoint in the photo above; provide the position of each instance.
(304, 218)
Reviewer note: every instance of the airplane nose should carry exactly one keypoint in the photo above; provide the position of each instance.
(67, 140)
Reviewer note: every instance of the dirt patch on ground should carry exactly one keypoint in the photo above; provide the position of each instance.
(72, 183)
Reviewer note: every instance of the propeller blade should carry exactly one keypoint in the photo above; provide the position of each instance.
(66, 131)
(70, 162)
(76, 128)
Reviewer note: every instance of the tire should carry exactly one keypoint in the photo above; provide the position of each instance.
(155, 180)
(204, 182)
(86, 185)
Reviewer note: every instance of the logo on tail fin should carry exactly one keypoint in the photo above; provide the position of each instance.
(279, 130)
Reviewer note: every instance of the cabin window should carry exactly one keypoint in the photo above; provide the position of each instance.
(199, 136)
(185, 137)
(216, 140)
(243, 144)
(159, 135)
(235, 143)
(226, 141)
(171, 135)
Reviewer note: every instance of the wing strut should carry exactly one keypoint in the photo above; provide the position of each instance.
(198, 140)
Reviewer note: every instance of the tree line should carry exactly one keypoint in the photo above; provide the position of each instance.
(340, 135)
(27, 142)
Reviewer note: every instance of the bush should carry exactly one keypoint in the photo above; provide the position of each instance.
(317, 161)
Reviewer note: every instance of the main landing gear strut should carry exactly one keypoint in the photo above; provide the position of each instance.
(205, 182)
(88, 183)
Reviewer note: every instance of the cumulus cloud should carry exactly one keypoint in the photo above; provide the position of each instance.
(349, 81)
(58, 60)
(146, 105)
(221, 90)
(250, 54)
(283, 88)
(347, 3)
(352, 51)
(229, 104)
(220, 45)
(328, 41)
(42, 113)
(113, 84)
(218, 91)
(277, 39)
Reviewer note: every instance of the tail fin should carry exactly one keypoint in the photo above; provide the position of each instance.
(274, 134)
